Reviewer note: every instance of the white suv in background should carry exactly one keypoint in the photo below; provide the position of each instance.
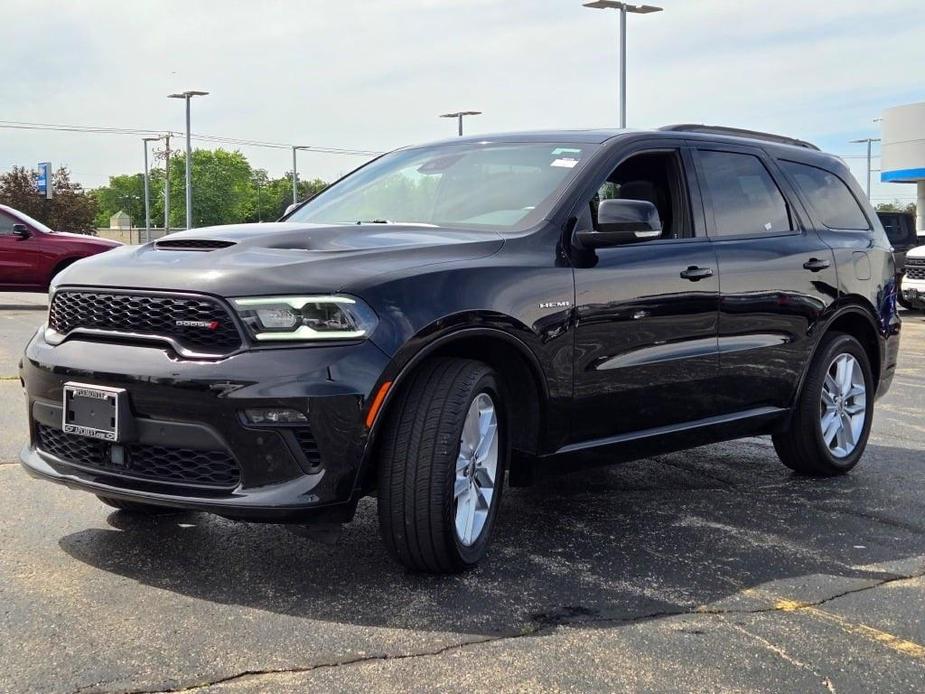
(913, 284)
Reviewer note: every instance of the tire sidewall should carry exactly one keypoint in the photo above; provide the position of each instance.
(471, 554)
(843, 344)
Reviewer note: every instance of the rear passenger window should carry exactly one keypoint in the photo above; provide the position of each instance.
(828, 195)
(745, 199)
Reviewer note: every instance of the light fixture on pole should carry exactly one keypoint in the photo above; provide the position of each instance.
(624, 8)
(868, 140)
(187, 95)
(146, 140)
(295, 175)
(459, 115)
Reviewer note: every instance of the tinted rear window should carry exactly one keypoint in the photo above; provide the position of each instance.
(829, 196)
(897, 227)
(745, 199)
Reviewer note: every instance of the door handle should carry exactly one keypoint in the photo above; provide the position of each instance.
(695, 274)
(815, 264)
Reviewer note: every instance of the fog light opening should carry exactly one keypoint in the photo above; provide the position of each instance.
(275, 415)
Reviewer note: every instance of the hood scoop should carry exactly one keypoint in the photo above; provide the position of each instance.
(192, 244)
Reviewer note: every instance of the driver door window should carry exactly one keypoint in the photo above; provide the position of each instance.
(655, 177)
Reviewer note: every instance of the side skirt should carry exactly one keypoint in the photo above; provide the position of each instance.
(642, 444)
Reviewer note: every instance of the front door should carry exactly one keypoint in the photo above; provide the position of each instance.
(646, 332)
(15, 254)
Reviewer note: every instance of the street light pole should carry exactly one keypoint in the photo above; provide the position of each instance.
(189, 162)
(624, 8)
(868, 140)
(459, 115)
(146, 140)
(295, 174)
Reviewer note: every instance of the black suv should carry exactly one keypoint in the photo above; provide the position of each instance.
(452, 314)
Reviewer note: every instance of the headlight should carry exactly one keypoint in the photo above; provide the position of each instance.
(306, 317)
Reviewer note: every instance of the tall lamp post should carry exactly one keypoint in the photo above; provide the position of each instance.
(146, 140)
(295, 174)
(869, 141)
(189, 162)
(459, 115)
(624, 8)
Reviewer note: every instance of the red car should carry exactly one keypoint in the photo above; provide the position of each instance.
(31, 253)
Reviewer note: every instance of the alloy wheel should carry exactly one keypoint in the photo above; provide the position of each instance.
(476, 469)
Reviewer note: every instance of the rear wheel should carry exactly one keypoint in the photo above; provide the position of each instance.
(443, 458)
(831, 422)
(137, 507)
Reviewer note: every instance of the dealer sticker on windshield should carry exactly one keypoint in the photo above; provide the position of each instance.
(564, 163)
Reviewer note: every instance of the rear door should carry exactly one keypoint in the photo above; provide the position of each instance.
(645, 339)
(777, 277)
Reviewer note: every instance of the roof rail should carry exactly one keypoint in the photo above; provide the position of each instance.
(738, 132)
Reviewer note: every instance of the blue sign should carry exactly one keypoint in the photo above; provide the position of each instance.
(44, 180)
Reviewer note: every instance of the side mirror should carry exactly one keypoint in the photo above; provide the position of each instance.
(22, 231)
(620, 222)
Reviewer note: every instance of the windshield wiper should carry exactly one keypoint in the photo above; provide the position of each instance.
(374, 221)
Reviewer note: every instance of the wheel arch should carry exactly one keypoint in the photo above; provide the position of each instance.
(856, 318)
(510, 357)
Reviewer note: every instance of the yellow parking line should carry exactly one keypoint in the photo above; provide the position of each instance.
(896, 643)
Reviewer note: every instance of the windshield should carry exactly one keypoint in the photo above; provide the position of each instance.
(507, 186)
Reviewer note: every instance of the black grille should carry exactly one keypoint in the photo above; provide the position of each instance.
(186, 466)
(918, 262)
(308, 446)
(192, 244)
(198, 324)
(915, 273)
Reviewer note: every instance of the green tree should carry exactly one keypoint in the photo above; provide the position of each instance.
(124, 193)
(896, 206)
(70, 209)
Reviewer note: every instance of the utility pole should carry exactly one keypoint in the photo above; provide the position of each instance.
(459, 115)
(146, 140)
(869, 141)
(624, 8)
(295, 174)
(167, 187)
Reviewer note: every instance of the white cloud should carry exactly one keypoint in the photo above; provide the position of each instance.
(375, 74)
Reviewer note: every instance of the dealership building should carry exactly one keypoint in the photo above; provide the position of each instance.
(903, 151)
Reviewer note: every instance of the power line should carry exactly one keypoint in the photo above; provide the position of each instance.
(244, 142)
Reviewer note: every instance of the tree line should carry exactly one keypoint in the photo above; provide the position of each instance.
(226, 190)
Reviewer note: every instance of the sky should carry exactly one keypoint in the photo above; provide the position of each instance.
(375, 74)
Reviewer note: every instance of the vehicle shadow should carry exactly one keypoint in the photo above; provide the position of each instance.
(657, 536)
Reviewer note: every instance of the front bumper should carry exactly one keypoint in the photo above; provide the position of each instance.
(913, 291)
(188, 425)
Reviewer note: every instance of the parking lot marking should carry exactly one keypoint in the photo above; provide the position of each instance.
(892, 641)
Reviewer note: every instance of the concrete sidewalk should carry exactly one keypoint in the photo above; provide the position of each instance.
(23, 301)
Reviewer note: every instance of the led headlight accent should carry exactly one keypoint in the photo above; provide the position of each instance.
(306, 317)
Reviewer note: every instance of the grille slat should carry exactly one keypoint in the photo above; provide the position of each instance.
(198, 324)
(213, 469)
(309, 446)
(915, 273)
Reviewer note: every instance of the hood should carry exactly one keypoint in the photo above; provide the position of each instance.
(917, 252)
(85, 238)
(281, 257)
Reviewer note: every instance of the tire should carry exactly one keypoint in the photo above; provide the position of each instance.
(137, 507)
(432, 487)
(803, 447)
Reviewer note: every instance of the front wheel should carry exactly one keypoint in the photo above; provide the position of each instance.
(443, 458)
(830, 424)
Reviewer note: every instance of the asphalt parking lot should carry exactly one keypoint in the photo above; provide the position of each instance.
(713, 569)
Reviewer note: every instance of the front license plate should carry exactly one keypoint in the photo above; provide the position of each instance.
(93, 411)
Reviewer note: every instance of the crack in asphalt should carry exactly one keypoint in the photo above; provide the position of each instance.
(542, 624)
